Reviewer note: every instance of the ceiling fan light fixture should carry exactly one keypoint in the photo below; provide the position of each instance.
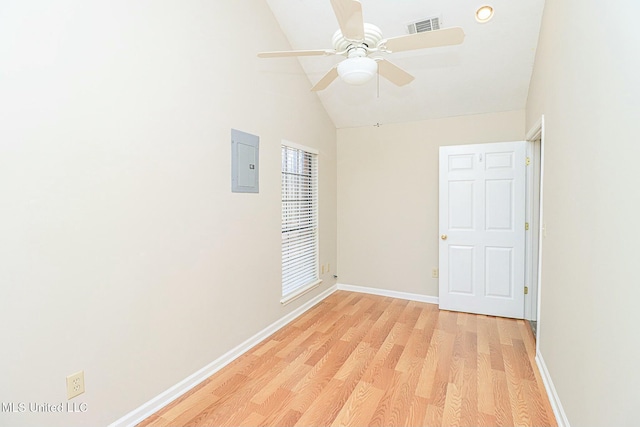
(484, 14)
(357, 70)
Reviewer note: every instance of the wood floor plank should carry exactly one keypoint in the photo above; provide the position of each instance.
(519, 411)
(362, 353)
(254, 419)
(523, 361)
(330, 402)
(364, 360)
(495, 346)
(238, 416)
(377, 364)
(309, 319)
(384, 411)
(486, 403)
(469, 387)
(385, 324)
(528, 338)
(416, 346)
(427, 376)
(231, 405)
(427, 316)
(301, 342)
(447, 321)
(355, 332)
(183, 410)
(417, 411)
(443, 370)
(403, 396)
(360, 406)
(486, 420)
(154, 420)
(483, 334)
(333, 330)
(456, 370)
(472, 323)
(291, 374)
(504, 332)
(452, 406)
(538, 405)
(287, 419)
(501, 397)
(347, 300)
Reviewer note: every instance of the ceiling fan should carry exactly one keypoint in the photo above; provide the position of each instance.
(357, 40)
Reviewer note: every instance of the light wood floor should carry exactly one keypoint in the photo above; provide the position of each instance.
(364, 360)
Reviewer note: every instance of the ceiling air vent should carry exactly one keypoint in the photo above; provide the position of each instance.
(423, 25)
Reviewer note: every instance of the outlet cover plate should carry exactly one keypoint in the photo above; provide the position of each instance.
(75, 385)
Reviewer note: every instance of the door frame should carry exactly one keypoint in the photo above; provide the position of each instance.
(532, 305)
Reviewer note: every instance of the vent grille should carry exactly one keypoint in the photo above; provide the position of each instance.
(429, 24)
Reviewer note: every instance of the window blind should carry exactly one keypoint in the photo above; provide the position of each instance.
(299, 219)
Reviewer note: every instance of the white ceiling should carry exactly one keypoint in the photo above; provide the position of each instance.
(489, 72)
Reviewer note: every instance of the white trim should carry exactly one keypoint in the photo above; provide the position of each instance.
(532, 245)
(387, 293)
(300, 147)
(529, 208)
(536, 130)
(299, 292)
(542, 232)
(163, 399)
(554, 399)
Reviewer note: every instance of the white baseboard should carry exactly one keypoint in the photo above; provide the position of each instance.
(163, 399)
(387, 293)
(554, 399)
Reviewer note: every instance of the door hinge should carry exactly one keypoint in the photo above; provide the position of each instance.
(527, 161)
(526, 226)
(526, 290)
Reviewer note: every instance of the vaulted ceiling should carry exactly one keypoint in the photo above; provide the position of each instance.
(489, 72)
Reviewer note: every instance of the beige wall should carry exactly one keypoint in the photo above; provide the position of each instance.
(123, 251)
(585, 82)
(388, 196)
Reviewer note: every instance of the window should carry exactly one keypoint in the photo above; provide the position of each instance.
(299, 220)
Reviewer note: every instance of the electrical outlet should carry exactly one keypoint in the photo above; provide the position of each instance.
(434, 273)
(322, 269)
(75, 385)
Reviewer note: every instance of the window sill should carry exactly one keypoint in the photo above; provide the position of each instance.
(297, 294)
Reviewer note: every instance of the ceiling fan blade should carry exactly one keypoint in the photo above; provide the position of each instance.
(436, 38)
(393, 73)
(349, 15)
(326, 80)
(286, 53)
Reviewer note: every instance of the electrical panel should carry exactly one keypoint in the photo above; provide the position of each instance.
(244, 162)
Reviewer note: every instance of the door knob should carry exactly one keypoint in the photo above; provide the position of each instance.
(443, 237)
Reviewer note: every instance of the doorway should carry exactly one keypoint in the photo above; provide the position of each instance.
(533, 244)
(464, 280)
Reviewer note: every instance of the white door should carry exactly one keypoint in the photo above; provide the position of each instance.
(482, 228)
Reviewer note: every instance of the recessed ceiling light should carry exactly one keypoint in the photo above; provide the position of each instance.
(484, 14)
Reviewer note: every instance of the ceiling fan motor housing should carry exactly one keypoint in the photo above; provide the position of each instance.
(372, 37)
